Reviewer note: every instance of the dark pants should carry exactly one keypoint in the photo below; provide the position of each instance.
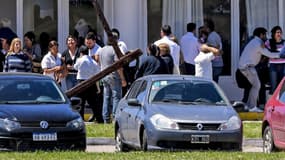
(189, 69)
(94, 100)
(129, 73)
(217, 71)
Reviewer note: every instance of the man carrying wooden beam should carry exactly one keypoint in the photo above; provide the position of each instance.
(112, 83)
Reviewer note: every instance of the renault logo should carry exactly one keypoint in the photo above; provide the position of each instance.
(199, 126)
(44, 124)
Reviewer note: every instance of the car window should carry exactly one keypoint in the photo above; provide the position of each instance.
(133, 90)
(29, 91)
(141, 93)
(185, 91)
(282, 93)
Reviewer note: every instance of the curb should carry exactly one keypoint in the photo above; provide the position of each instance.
(100, 141)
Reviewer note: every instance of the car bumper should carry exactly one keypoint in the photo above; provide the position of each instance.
(23, 141)
(182, 139)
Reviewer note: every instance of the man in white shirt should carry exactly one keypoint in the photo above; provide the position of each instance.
(190, 48)
(203, 61)
(90, 42)
(250, 57)
(174, 48)
(87, 67)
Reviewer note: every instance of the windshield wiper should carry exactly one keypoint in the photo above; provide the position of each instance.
(6, 102)
(48, 102)
(31, 102)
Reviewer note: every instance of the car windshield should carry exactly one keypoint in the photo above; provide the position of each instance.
(27, 91)
(186, 92)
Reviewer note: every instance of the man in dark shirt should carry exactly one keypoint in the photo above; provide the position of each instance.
(152, 64)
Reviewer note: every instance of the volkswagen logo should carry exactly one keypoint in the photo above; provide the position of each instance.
(44, 124)
(199, 126)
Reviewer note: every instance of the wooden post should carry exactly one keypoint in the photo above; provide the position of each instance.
(107, 29)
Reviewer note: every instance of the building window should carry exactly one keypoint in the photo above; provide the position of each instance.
(257, 13)
(8, 14)
(154, 16)
(219, 11)
(40, 16)
(83, 18)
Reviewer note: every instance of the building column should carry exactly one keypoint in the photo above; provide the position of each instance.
(130, 17)
(63, 23)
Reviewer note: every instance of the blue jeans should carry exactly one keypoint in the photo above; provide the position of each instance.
(70, 81)
(111, 96)
(277, 71)
(217, 71)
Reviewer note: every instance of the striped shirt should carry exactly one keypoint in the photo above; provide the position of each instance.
(17, 62)
(279, 46)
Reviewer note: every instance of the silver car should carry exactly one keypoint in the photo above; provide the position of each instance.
(176, 112)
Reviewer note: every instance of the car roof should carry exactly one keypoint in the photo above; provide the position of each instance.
(173, 77)
(23, 75)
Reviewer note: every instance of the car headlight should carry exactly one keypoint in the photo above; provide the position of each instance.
(162, 122)
(77, 123)
(9, 125)
(233, 123)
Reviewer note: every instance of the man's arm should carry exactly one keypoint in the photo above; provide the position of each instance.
(121, 73)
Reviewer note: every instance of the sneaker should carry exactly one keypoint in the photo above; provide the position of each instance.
(255, 109)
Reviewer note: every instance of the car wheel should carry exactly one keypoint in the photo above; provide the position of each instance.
(144, 145)
(120, 145)
(268, 143)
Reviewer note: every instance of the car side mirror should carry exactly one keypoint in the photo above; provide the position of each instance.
(75, 103)
(240, 106)
(133, 102)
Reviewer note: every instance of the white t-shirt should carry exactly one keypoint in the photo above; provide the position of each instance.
(203, 65)
(49, 61)
(86, 67)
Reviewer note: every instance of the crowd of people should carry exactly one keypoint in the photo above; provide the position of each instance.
(200, 56)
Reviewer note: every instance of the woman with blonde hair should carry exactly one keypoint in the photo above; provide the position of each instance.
(166, 57)
(16, 60)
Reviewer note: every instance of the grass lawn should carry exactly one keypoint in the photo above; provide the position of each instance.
(205, 155)
(251, 129)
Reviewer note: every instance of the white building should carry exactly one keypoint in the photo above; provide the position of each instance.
(139, 22)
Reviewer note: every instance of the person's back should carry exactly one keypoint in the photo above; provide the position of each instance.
(190, 48)
(149, 65)
(107, 57)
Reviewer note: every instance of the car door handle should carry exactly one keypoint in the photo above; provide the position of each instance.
(273, 108)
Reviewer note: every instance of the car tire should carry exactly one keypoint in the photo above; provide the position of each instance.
(144, 145)
(268, 143)
(119, 144)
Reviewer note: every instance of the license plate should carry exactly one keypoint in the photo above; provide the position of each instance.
(44, 137)
(200, 139)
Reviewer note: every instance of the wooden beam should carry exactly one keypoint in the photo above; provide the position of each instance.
(81, 87)
(107, 29)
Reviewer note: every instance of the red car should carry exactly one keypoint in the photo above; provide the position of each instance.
(273, 125)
